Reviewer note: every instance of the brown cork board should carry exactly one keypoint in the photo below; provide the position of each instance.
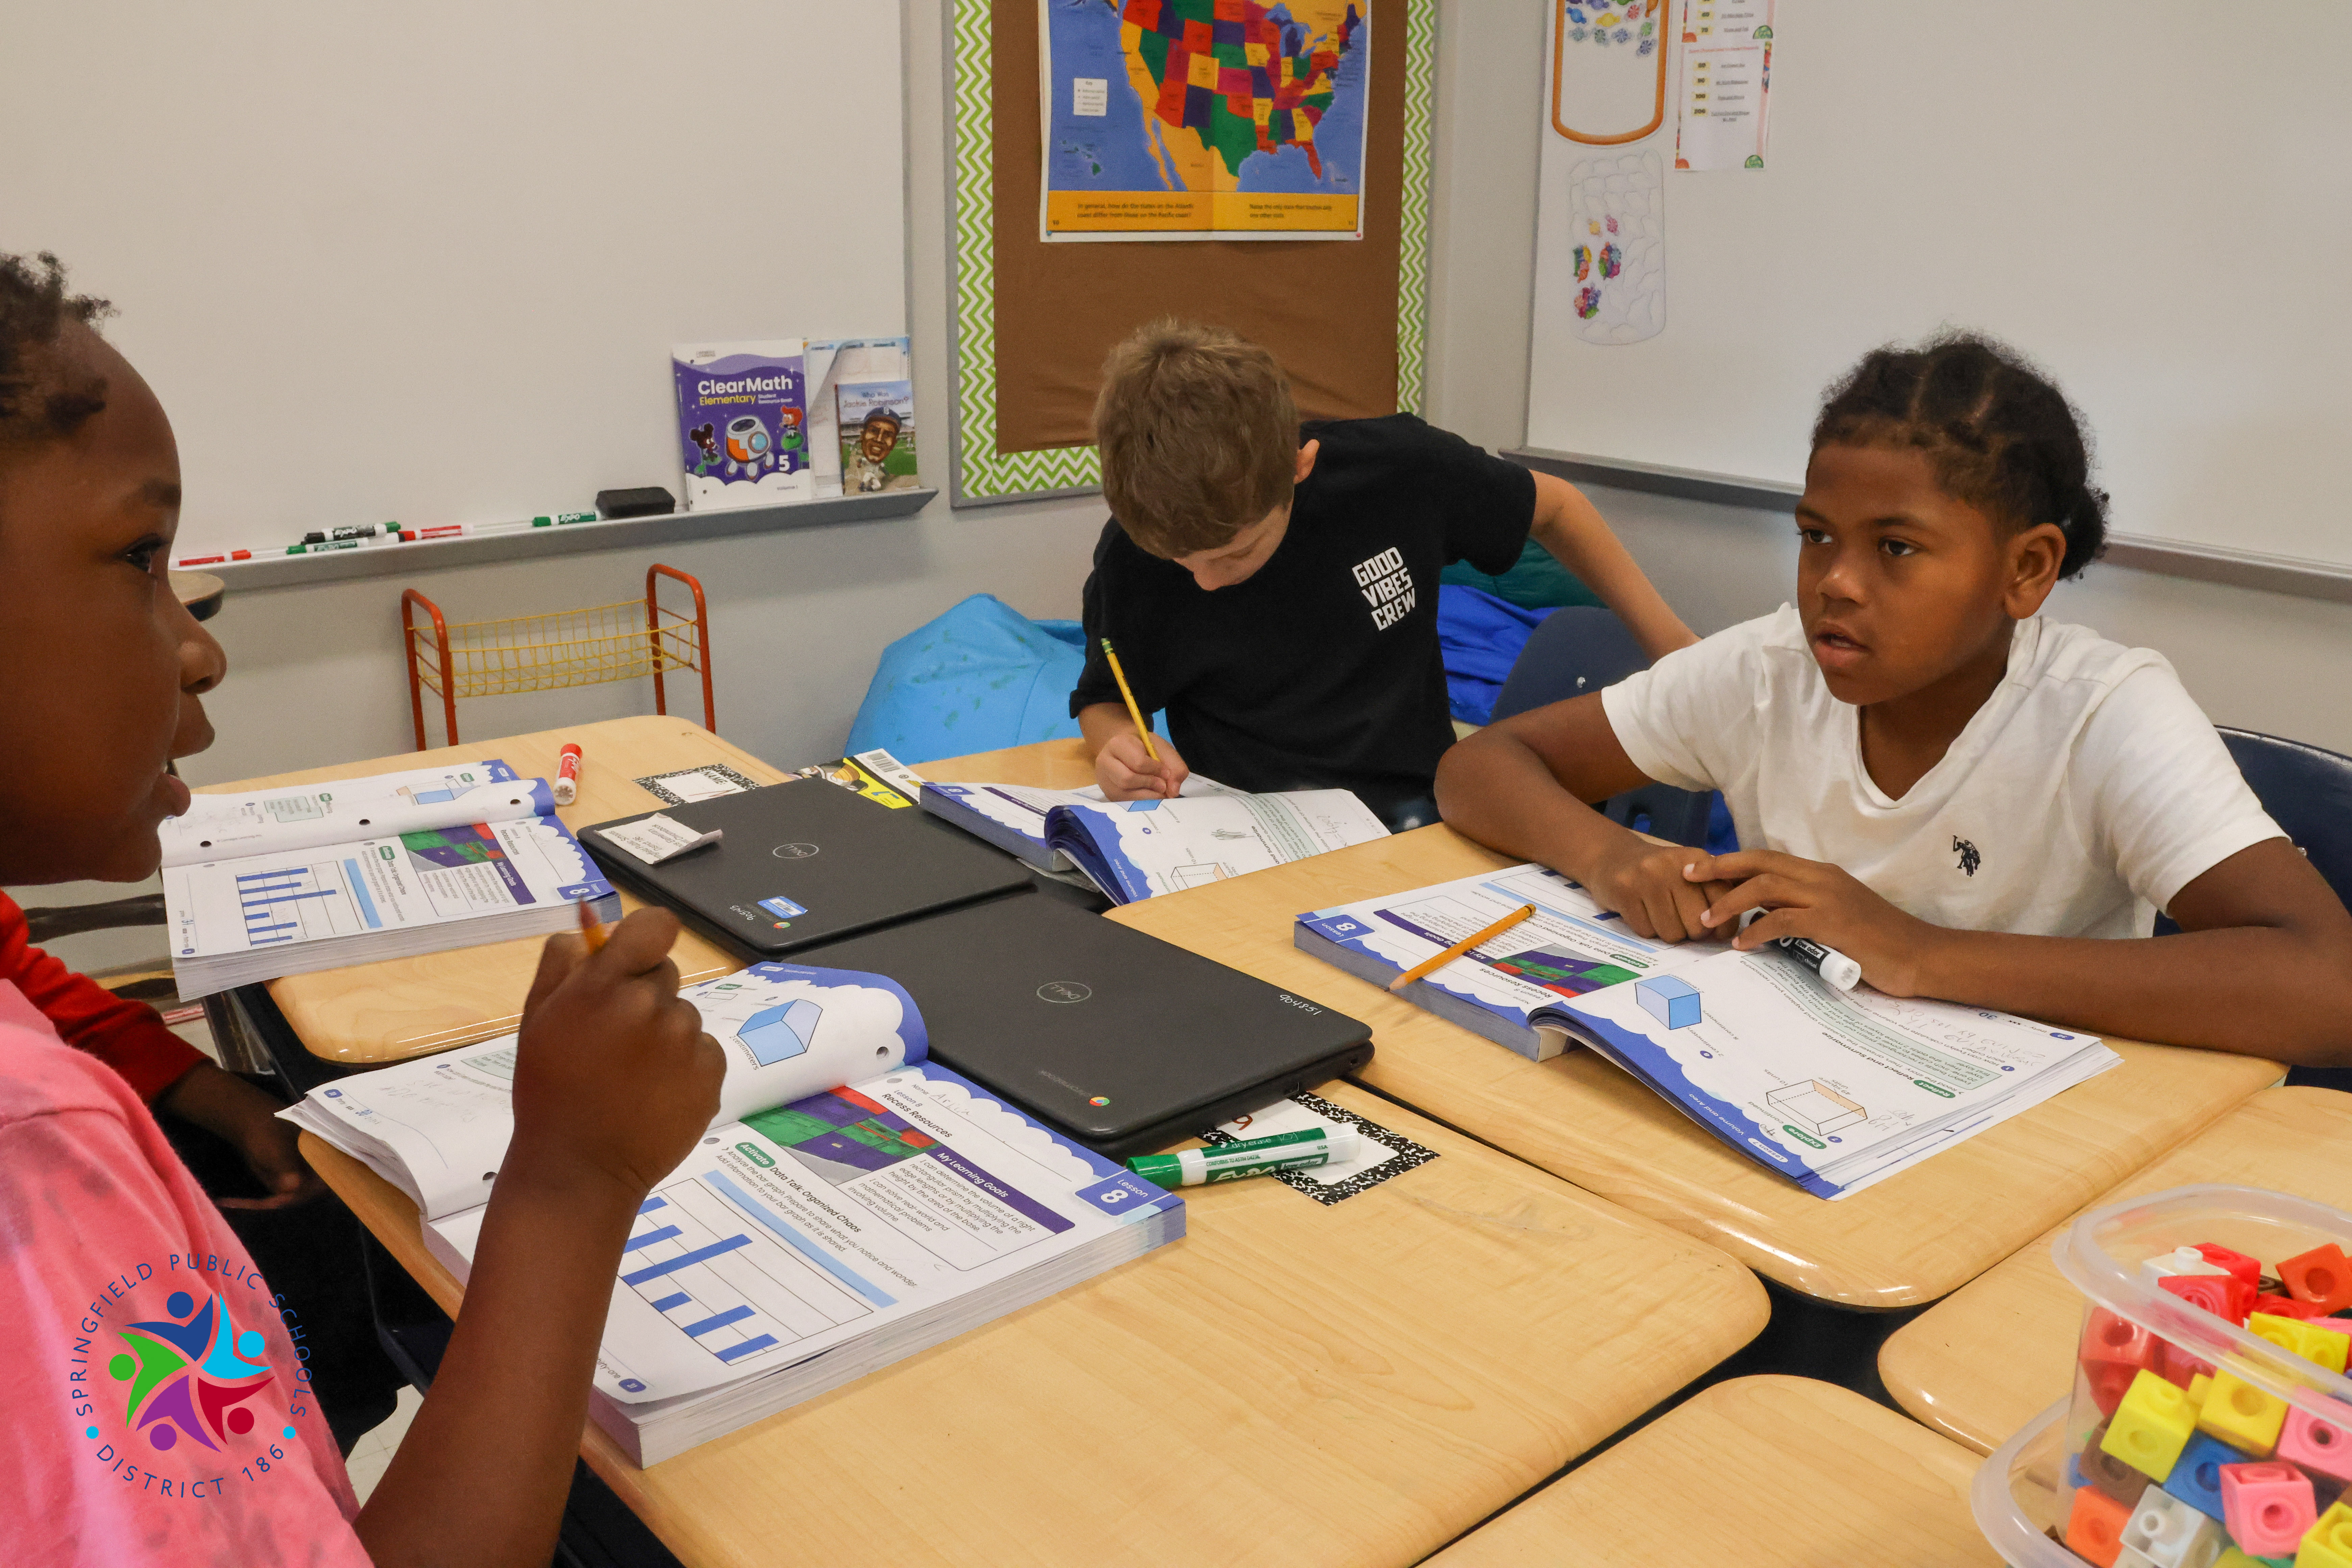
(1327, 308)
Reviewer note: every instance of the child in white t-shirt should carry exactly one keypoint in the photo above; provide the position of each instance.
(1930, 777)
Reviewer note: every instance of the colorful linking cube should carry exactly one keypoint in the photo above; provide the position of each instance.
(2195, 1465)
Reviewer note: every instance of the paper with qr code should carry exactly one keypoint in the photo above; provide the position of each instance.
(1617, 235)
(1381, 1155)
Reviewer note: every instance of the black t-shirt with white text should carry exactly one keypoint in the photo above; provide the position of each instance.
(1322, 669)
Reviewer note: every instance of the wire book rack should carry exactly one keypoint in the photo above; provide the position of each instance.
(592, 645)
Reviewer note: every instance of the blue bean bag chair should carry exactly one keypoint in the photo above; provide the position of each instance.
(1480, 635)
(980, 677)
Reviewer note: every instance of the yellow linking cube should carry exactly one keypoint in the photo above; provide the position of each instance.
(2153, 1424)
(2241, 1416)
(2313, 1343)
(2328, 1542)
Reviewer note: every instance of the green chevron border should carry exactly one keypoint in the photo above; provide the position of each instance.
(980, 473)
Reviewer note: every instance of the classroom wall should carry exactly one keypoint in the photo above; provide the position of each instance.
(798, 620)
(2273, 662)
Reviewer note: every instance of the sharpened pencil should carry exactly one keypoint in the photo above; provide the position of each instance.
(1134, 712)
(592, 931)
(1429, 966)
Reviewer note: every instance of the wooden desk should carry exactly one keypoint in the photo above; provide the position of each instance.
(2002, 1350)
(1766, 1472)
(371, 1014)
(1911, 1238)
(1290, 1384)
(1047, 764)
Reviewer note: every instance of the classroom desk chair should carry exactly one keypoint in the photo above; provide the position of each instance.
(587, 647)
(2308, 791)
(1579, 650)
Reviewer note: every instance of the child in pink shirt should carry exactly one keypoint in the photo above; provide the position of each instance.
(155, 1405)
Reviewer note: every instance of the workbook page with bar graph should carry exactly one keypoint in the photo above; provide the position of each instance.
(801, 1229)
(804, 1229)
(287, 881)
(853, 1196)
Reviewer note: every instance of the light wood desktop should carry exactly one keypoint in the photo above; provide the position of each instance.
(1766, 1472)
(372, 1013)
(1045, 764)
(1911, 1238)
(1981, 1365)
(1289, 1384)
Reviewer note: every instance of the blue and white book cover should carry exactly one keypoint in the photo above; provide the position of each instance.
(1835, 1090)
(850, 1182)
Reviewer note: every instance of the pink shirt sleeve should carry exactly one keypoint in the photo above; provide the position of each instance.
(158, 1401)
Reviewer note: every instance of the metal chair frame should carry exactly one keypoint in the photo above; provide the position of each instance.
(587, 647)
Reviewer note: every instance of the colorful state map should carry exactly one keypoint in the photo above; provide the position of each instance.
(1190, 119)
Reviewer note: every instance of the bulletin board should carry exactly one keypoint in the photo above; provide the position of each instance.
(1032, 322)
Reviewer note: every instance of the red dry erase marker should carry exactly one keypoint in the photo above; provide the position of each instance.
(567, 776)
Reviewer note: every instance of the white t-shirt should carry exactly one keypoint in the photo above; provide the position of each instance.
(2085, 793)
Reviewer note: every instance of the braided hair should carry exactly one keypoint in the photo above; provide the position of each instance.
(1998, 433)
(36, 401)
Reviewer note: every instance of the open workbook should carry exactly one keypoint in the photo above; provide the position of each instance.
(1137, 849)
(854, 1204)
(285, 881)
(1833, 1088)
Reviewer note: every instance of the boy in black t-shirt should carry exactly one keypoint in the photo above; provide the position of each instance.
(1274, 586)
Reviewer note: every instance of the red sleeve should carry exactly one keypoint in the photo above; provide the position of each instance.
(128, 1036)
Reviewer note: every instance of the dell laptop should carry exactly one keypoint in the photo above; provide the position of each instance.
(804, 862)
(1125, 1042)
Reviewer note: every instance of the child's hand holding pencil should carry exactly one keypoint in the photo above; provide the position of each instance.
(1141, 766)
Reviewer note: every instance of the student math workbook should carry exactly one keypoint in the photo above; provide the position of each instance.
(1835, 1090)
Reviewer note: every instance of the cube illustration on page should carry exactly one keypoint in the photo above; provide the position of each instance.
(1672, 1001)
(1616, 216)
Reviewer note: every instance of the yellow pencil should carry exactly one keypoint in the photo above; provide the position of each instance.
(1133, 711)
(1429, 966)
(591, 932)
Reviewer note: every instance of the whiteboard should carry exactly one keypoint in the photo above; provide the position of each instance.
(2154, 200)
(427, 262)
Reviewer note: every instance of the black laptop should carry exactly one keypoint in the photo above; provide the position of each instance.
(804, 862)
(1125, 1042)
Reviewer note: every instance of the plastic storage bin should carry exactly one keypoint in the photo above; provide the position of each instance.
(2191, 1440)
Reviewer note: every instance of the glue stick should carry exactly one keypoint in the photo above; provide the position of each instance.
(567, 774)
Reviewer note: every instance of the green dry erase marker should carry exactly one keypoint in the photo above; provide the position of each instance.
(1251, 1157)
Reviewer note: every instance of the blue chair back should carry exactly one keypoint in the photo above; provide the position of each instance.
(2308, 791)
(1578, 650)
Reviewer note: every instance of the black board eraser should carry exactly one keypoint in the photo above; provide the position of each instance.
(646, 501)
